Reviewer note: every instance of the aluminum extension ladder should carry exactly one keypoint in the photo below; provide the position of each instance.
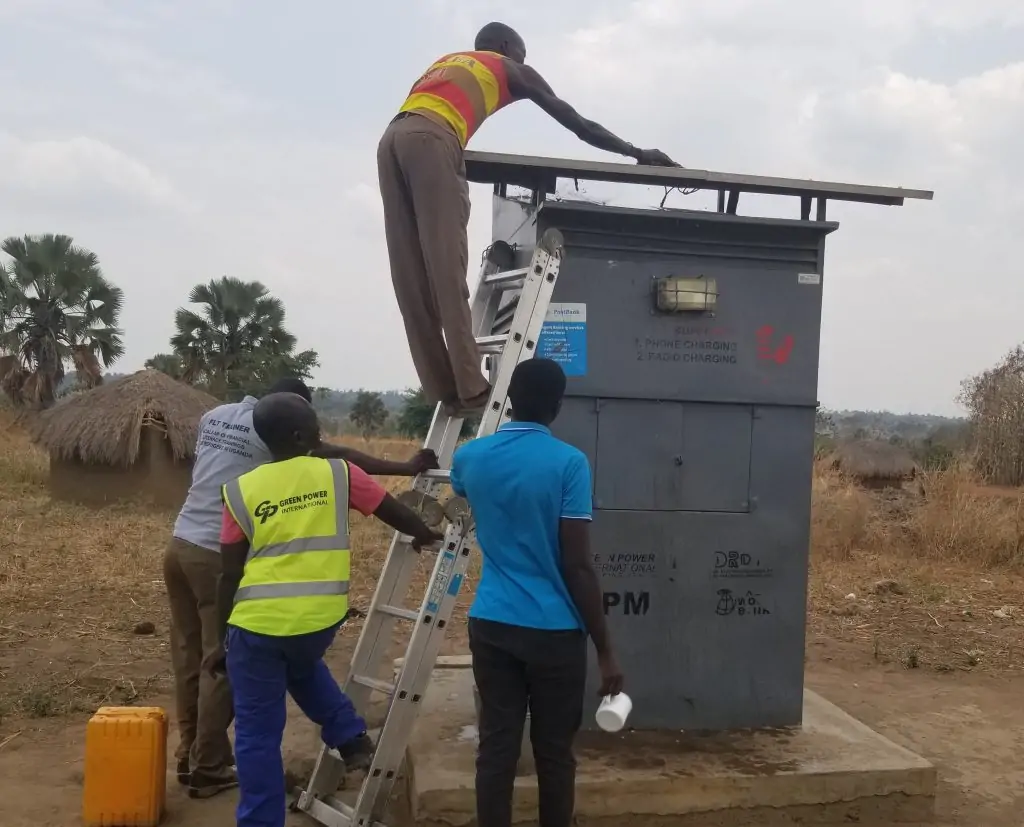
(507, 327)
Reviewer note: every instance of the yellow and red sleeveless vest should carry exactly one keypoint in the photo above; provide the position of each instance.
(461, 90)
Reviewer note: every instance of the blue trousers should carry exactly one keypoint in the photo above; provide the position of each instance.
(262, 669)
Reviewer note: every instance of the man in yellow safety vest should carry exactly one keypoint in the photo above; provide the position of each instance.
(283, 593)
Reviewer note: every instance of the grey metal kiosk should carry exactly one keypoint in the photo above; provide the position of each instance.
(690, 340)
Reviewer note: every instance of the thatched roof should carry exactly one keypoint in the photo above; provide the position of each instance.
(873, 460)
(103, 426)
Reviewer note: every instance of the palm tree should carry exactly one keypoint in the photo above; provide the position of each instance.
(368, 413)
(56, 307)
(236, 342)
(168, 363)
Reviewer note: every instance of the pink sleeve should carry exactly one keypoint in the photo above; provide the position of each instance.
(365, 494)
(229, 530)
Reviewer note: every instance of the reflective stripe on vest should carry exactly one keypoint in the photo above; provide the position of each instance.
(295, 516)
(461, 90)
(290, 590)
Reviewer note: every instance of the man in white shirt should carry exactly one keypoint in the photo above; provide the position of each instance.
(228, 447)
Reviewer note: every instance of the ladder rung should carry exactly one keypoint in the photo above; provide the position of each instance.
(398, 611)
(440, 474)
(406, 540)
(385, 687)
(507, 276)
(492, 344)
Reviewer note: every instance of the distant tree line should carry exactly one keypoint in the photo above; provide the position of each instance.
(374, 413)
(933, 442)
(994, 400)
(60, 332)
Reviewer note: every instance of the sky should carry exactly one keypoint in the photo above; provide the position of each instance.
(183, 140)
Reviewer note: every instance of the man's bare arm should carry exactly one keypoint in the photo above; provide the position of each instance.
(585, 590)
(425, 460)
(525, 82)
(232, 567)
(404, 519)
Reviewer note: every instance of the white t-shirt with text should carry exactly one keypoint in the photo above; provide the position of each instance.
(227, 448)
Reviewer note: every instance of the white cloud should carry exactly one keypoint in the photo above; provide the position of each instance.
(81, 167)
(824, 90)
(44, 8)
(194, 88)
(268, 118)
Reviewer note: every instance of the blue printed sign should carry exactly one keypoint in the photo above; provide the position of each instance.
(563, 337)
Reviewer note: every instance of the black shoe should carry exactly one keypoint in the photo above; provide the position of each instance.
(204, 786)
(357, 753)
(184, 773)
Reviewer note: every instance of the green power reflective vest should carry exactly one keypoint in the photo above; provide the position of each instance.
(295, 516)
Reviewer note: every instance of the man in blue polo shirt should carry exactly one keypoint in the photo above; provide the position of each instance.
(537, 600)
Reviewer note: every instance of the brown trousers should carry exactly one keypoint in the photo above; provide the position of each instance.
(204, 707)
(426, 212)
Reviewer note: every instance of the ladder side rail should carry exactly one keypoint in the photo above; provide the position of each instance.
(392, 587)
(376, 634)
(396, 575)
(394, 582)
(523, 334)
(400, 565)
(483, 304)
(536, 319)
(552, 242)
(401, 561)
(449, 571)
(518, 350)
(421, 654)
(425, 642)
(539, 289)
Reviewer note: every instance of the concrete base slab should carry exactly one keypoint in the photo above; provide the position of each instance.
(832, 770)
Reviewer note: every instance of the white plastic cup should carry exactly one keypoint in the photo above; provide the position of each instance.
(613, 711)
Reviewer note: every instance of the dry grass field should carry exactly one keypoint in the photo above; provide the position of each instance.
(915, 618)
(80, 590)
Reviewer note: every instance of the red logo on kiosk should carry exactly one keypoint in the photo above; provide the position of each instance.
(768, 351)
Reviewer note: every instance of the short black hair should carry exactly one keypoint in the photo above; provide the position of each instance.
(494, 35)
(278, 417)
(536, 390)
(289, 384)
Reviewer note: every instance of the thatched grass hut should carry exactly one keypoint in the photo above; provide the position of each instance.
(874, 464)
(133, 439)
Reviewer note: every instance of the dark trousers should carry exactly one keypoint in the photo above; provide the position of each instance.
(203, 697)
(423, 188)
(263, 669)
(516, 669)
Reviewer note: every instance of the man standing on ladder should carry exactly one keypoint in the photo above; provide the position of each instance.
(426, 200)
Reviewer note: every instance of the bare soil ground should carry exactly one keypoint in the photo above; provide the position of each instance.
(915, 627)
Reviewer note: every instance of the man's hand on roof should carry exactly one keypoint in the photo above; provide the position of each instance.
(425, 460)
(654, 158)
